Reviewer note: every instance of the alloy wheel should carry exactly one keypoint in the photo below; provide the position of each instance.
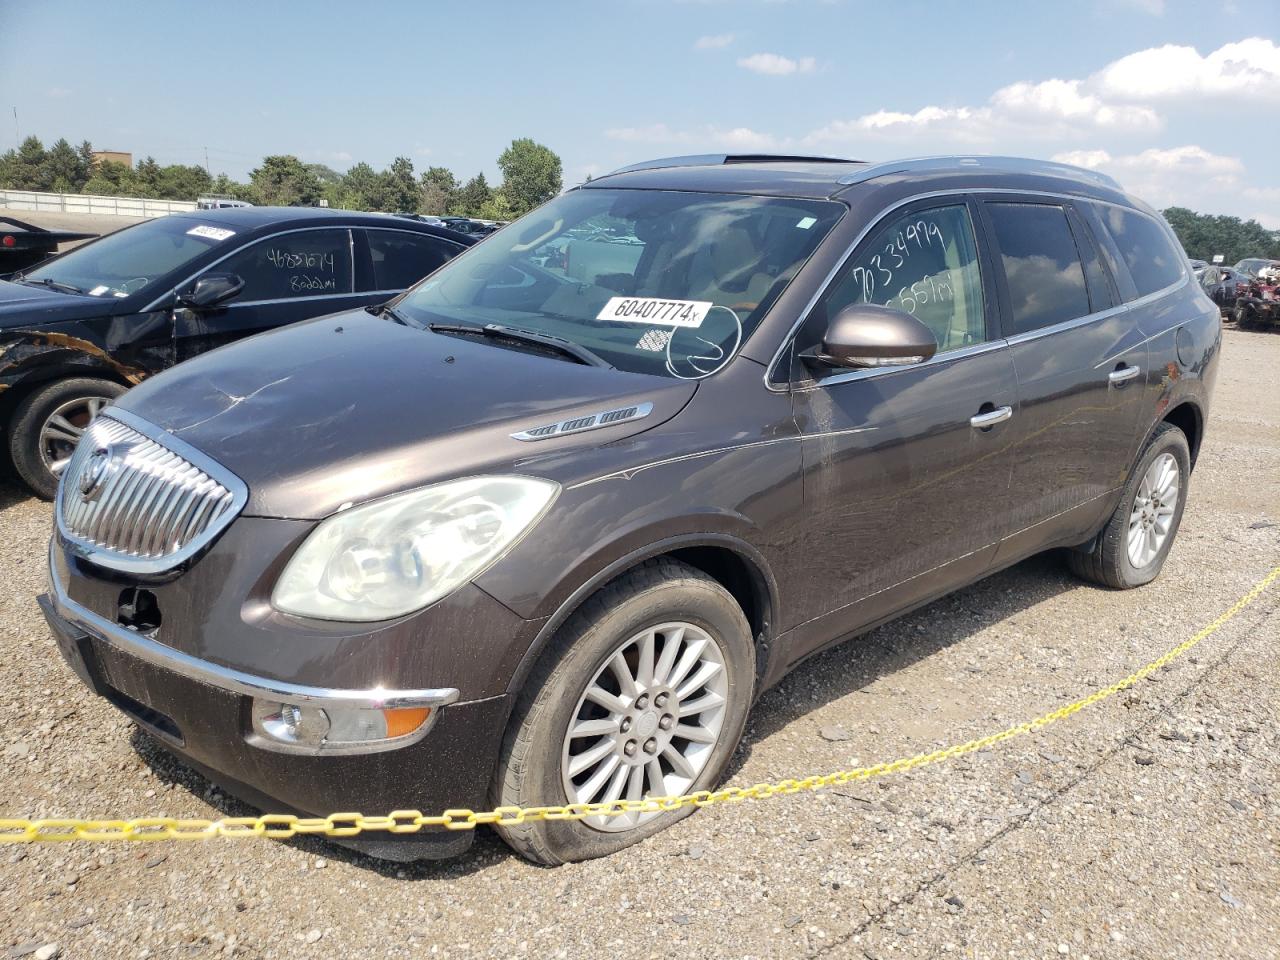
(63, 429)
(647, 723)
(1153, 508)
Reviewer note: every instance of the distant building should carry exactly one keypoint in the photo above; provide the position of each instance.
(112, 156)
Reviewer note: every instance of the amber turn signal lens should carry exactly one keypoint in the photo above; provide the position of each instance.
(407, 720)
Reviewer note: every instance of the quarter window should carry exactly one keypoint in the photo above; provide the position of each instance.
(309, 263)
(924, 263)
(1041, 265)
(402, 259)
(1146, 248)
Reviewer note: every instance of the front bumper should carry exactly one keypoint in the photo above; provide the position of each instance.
(200, 711)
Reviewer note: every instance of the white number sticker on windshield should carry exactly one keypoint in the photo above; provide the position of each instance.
(656, 310)
(211, 233)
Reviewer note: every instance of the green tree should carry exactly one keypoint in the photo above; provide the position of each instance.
(468, 201)
(362, 188)
(439, 188)
(148, 178)
(224, 186)
(400, 192)
(64, 169)
(24, 168)
(1204, 236)
(531, 174)
(497, 207)
(284, 181)
(111, 179)
(181, 181)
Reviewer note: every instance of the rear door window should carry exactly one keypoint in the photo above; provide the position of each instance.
(305, 263)
(400, 259)
(1148, 251)
(1042, 270)
(926, 264)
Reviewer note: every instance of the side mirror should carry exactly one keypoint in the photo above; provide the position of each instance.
(211, 290)
(866, 335)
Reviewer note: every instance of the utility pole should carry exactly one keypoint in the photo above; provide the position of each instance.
(17, 137)
(206, 163)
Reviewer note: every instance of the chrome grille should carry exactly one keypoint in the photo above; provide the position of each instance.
(137, 499)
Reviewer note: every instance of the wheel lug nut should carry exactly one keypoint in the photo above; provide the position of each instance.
(650, 745)
(642, 701)
(626, 724)
(667, 722)
(660, 700)
(629, 748)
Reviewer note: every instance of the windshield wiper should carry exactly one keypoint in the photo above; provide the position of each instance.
(50, 283)
(497, 331)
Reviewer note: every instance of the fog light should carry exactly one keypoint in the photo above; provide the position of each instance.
(300, 728)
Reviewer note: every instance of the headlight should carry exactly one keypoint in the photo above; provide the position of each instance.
(397, 555)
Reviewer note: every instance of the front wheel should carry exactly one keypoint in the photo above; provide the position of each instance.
(48, 424)
(644, 694)
(1133, 545)
(1243, 316)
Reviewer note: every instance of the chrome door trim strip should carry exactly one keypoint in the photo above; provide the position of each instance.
(173, 291)
(875, 221)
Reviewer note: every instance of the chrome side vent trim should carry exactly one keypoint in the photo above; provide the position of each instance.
(606, 418)
(137, 499)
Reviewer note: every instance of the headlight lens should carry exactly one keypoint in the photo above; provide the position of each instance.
(397, 555)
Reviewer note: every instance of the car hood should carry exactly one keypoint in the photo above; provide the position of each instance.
(25, 306)
(352, 407)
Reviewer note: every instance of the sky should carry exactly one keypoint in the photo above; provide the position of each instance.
(1176, 100)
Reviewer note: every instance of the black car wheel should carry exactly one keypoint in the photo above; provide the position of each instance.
(1132, 547)
(1243, 316)
(644, 694)
(48, 424)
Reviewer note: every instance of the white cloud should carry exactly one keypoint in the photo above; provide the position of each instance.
(708, 137)
(1185, 176)
(775, 65)
(1250, 67)
(1050, 109)
(715, 42)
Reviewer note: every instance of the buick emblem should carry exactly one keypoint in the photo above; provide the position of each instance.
(100, 465)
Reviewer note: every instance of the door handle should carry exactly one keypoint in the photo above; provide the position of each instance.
(985, 421)
(1123, 374)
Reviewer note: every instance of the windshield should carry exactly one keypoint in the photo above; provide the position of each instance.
(651, 281)
(130, 260)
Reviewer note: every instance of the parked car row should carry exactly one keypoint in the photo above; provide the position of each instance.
(542, 528)
(78, 330)
(466, 225)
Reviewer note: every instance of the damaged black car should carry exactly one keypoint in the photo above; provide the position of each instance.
(80, 329)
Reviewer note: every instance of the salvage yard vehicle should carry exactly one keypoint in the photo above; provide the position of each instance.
(80, 329)
(23, 244)
(529, 536)
(1223, 285)
(1257, 301)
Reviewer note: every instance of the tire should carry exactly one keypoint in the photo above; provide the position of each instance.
(75, 400)
(1110, 561)
(1243, 316)
(536, 754)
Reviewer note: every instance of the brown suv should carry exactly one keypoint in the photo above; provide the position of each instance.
(543, 528)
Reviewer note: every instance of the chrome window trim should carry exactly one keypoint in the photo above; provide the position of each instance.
(173, 291)
(784, 345)
(113, 560)
(418, 233)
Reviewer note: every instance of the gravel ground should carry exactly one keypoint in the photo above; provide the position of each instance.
(1147, 826)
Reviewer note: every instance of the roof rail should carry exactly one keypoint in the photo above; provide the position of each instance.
(1005, 164)
(717, 159)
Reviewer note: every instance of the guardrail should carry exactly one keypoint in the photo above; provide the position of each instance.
(89, 203)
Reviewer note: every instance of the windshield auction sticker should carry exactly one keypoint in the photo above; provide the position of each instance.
(211, 233)
(656, 310)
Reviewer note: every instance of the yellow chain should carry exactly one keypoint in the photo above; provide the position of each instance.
(411, 821)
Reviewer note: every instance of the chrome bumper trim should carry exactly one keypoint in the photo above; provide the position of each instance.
(167, 658)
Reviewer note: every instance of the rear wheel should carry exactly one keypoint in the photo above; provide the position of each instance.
(1133, 545)
(644, 694)
(48, 424)
(1243, 316)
